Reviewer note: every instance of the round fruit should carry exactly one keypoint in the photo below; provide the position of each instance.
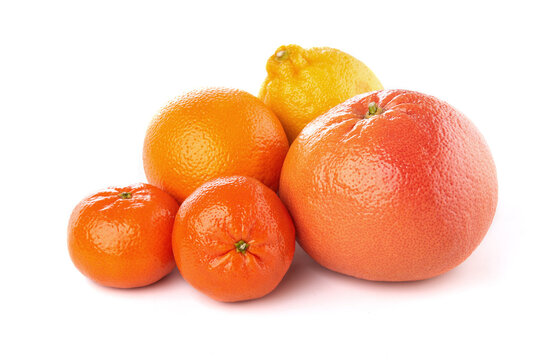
(209, 133)
(304, 83)
(233, 239)
(390, 186)
(121, 236)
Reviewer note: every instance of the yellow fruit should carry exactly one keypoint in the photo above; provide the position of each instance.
(305, 83)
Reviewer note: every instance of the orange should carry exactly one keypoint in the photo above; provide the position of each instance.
(390, 186)
(209, 133)
(121, 236)
(233, 239)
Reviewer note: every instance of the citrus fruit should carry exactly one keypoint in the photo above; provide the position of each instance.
(121, 236)
(391, 186)
(233, 239)
(304, 83)
(209, 133)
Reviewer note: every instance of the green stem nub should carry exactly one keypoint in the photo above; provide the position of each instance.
(125, 195)
(282, 55)
(241, 246)
(372, 108)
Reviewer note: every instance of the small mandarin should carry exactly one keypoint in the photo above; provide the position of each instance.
(233, 239)
(121, 236)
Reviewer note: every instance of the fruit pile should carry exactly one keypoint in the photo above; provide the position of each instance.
(384, 185)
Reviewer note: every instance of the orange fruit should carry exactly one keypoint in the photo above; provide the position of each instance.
(233, 239)
(390, 186)
(210, 133)
(121, 236)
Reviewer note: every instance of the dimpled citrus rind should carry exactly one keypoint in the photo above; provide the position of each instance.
(404, 195)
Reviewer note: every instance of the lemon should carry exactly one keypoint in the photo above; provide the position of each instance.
(305, 83)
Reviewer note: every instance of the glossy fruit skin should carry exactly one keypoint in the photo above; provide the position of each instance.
(210, 133)
(123, 242)
(407, 194)
(308, 82)
(217, 216)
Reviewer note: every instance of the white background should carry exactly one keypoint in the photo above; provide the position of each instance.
(79, 84)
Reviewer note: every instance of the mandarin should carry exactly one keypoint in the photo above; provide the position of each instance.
(121, 236)
(233, 239)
